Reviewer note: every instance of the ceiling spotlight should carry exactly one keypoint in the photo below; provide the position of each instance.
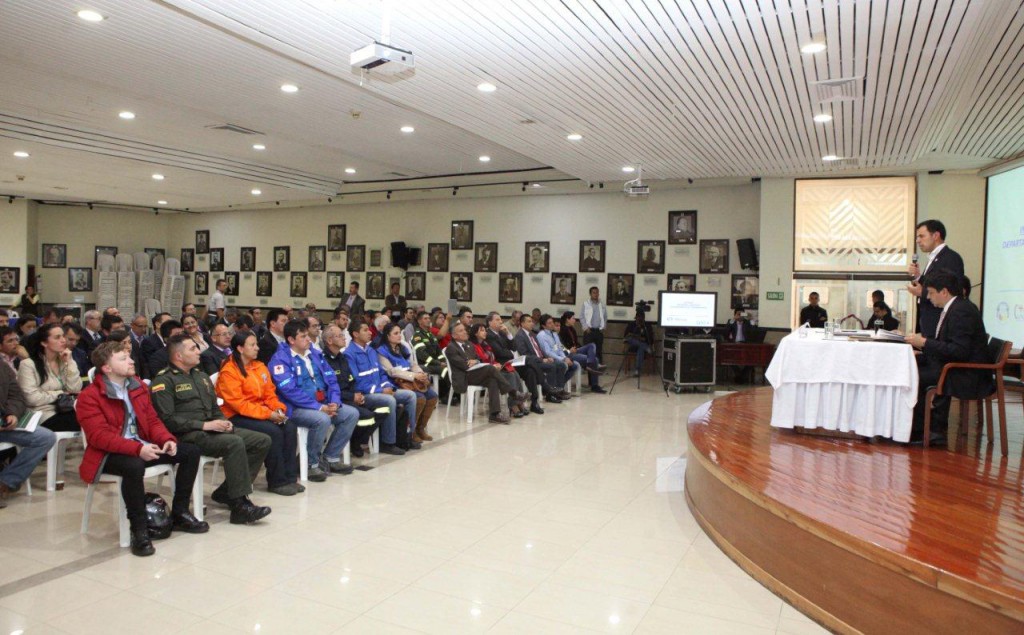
(407, 129)
(575, 136)
(486, 87)
(330, 200)
(289, 88)
(389, 195)
(536, 185)
(485, 159)
(629, 168)
(10, 200)
(455, 190)
(350, 170)
(21, 154)
(90, 16)
(126, 114)
(158, 177)
(161, 202)
(524, 186)
(817, 45)
(258, 146)
(256, 192)
(823, 117)
(690, 181)
(89, 205)
(830, 157)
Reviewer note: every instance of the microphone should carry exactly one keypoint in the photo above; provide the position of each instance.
(914, 259)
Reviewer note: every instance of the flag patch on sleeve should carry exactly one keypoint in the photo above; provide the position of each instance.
(278, 369)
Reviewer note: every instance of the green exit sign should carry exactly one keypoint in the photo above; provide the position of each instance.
(776, 295)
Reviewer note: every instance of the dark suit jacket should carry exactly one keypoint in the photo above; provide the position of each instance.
(524, 346)
(211, 359)
(268, 346)
(927, 313)
(150, 345)
(358, 305)
(962, 339)
(157, 361)
(501, 345)
(733, 327)
(458, 363)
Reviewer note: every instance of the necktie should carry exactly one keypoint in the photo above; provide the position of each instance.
(536, 349)
(938, 328)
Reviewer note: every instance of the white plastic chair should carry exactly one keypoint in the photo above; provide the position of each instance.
(157, 471)
(579, 381)
(28, 482)
(56, 456)
(469, 397)
(303, 435)
(197, 486)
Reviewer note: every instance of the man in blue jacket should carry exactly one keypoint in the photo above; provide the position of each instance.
(307, 385)
(373, 384)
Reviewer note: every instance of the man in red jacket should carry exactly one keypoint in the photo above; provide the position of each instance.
(125, 436)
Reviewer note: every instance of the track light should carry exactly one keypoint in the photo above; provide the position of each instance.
(90, 205)
(455, 190)
(591, 186)
(277, 202)
(389, 195)
(601, 185)
(690, 181)
(524, 186)
(10, 200)
(330, 200)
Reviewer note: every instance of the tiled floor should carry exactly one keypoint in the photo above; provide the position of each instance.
(569, 522)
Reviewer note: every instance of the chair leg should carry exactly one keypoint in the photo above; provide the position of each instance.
(197, 495)
(89, 489)
(51, 466)
(346, 454)
(929, 398)
(122, 520)
(988, 420)
(303, 454)
(470, 400)
(375, 442)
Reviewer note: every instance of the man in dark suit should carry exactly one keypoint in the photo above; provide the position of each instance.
(160, 359)
(272, 339)
(960, 337)
(152, 344)
(531, 372)
(931, 239)
(353, 301)
(220, 349)
(461, 358)
(526, 344)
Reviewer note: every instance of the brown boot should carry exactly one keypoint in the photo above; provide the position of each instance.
(421, 405)
(424, 417)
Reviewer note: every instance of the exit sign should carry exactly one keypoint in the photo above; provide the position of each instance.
(776, 295)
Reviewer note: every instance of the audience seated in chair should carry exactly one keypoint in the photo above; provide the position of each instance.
(217, 352)
(551, 345)
(478, 334)
(49, 373)
(400, 365)
(501, 346)
(159, 358)
(274, 336)
(555, 374)
(32, 446)
(376, 388)
(462, 357)
(334, 355)
(638, 339)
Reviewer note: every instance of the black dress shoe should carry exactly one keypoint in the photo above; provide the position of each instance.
(391, 448)
(339, 468)
(245, 513)
(518, 414)
(553, 398)
(356, 450)
(141, 545)
(536, 409)
(188, 523)
(598, 390)
(221, 496)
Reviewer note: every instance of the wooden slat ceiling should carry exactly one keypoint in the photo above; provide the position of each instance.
(687, 88)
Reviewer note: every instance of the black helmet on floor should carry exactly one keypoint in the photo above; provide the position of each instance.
(158, 517)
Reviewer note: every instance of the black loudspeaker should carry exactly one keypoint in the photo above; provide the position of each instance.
(415, 254)
(696, 362)
(748, 255)
(399, 255)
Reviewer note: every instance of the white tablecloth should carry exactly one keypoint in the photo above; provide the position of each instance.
(851, 386)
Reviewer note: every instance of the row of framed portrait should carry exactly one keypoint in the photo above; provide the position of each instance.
(682, 230)
(55, 255)
(620, 286)
(355, 258)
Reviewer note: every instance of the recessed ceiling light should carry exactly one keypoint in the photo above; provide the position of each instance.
(126, 114)
(486, 87)
(256, 192)
(485, 159)
(407, 129)
(350, 170)
(628, 168)
(536, 185)
(158, 177)
(258, 146)
(816, 46)
(822, 118)
(21, 154)
(161, 202)
(574, 136)
(90, 16)
(830, 157)
(289, 88)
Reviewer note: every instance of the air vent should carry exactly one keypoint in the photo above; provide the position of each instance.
(231, 127)
(844, 89)
(846, 162)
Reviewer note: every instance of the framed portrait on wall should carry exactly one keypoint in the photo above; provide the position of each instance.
(336, 237)
(714, 256)
(563, 288)
(650, 256)
(416, 286)
(200, 288)
(103, 251)
(335, 284)
(318, 258)
(231, 277)
(10, 280)
(79, 279)
(620, 289)
(55, 255)
(510, 287)
(592, 254)
(356, 258)
(247, 258)
(202, 241)
(188, 260)
(282, 258)
(375, 285)
(153, 252)
(682, 282)
(461, 286)
(264, 283)
(375, 257)
(217, 259)
(437, 257)
(462, 234)
(486, 259)
(297, 286)
(744, 291)
(537, 260)
(682, 227)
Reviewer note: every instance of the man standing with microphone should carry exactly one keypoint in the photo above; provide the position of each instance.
(931, 239)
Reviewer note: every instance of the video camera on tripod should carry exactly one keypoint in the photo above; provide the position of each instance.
(643, 306)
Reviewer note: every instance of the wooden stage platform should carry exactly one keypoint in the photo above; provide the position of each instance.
(864, 537)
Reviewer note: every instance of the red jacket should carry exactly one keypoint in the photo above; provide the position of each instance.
(101, 414)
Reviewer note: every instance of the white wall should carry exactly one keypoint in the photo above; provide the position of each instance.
(776, 257)
(958, 200)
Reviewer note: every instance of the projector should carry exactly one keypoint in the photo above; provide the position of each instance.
(635, 189)
(382, 58)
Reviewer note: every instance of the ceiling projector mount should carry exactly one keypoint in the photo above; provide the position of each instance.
(636, 187)
(380, 56)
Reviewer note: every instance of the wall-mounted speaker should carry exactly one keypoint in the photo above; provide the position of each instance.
(748, 254)
(415, 256)
(399, 255)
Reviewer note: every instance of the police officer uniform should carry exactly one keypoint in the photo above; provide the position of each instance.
(428, 356)
(185, 400)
